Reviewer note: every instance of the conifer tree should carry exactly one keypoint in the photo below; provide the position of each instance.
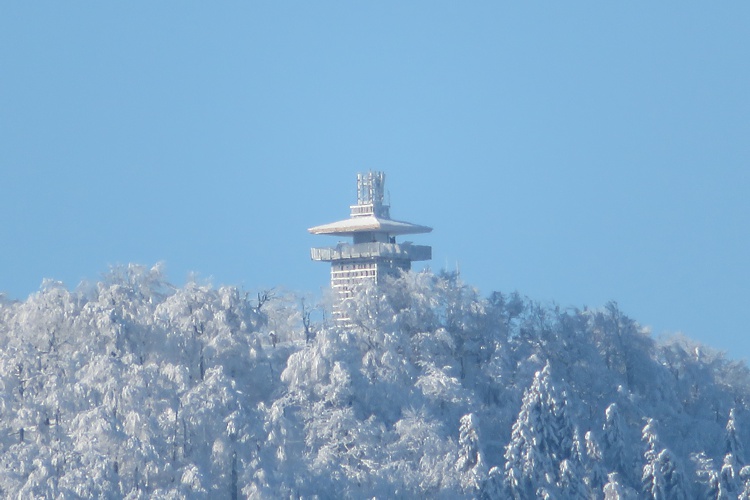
(674, 481)
(652, 480)
(729, 477)
(536, 449)
(595, 473)
(470, 461)
(615, 490)
(708, 478)
(494, 487)
(614, 442)
(732, 442)
(745, 477)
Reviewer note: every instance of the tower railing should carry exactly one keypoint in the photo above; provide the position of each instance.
(405, 251)
(370, 209)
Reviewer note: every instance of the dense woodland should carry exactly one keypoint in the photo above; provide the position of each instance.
(135, 388)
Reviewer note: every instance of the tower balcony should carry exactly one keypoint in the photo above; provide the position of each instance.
(375, 250)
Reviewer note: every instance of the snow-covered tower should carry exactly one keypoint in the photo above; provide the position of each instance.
(374, 253)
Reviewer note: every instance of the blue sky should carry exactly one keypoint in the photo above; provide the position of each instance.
(577, 152)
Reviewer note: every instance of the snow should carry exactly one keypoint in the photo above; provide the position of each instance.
(136, 388)
(348, 227)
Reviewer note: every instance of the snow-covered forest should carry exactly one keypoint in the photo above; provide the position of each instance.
(135, 388)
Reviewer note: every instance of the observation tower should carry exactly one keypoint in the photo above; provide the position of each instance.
(373, 253)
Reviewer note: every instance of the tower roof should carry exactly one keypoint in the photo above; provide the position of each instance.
(370, 214)
(368, 223)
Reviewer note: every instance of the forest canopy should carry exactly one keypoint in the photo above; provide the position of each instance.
(134, 387)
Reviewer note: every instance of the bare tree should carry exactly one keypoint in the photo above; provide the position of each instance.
(307, 322)
(263, 297)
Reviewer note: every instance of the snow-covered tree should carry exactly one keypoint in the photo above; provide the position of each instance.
(470, 461)
(596, 476)
(615, 490)
(674, 480)
(745, 477)
(614, 441)
(494, 486)
(662, 476)
(652, 480)
(539, 438)
(729, 477)
(732, 442)
(707, 486)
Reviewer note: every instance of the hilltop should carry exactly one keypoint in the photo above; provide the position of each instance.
(133, 387)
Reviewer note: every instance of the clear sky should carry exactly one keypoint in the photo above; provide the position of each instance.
(578, 152)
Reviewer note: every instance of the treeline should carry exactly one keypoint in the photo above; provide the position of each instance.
(135, 388)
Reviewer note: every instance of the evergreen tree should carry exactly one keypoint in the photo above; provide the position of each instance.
(662, 477)
(615, 490)
(729, 477)
(493, 487)
(652, 480)
(673, 478)
(707, 487)
(571, 482)
(595, 473)
(470, 461)
(745, 477)
(728, 480)
(538, 438)
(614, 442)
(573, 475)
(732, 442)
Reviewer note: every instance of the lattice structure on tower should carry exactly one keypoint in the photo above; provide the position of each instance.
(373, 253)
